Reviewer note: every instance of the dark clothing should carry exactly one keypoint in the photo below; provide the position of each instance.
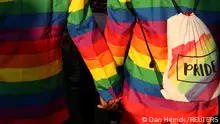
(82, 97)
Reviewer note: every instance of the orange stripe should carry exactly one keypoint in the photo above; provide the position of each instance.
(118, 51)
(159, 53)
(105, 59)
(140, 46)
(56, 118)
(29, 60)
(159, 40)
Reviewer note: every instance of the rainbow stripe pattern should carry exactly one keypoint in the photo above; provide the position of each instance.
(31, 86)
(141, 91)
(90, 42)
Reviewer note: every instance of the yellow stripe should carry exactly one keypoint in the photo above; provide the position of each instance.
(77, 5)
(105, 72)
(30, 74)
(119, 60)
(6, 0)
(123, 1)
(143, 60)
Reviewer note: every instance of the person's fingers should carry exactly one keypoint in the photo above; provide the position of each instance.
(118, 99)
(113, 106)
(111, 102)
(100, 106)
(103, 103)
(110, 105)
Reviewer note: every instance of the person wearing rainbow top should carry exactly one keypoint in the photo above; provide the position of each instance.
(31, 90)
(143, 24)
(31, 86)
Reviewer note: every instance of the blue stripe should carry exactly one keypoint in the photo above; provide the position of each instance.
(161, 14)
(142, 86)
(105, 94)
(83, 28)
(33, 20)
(31, 100)
(117, 88)
(120, 15)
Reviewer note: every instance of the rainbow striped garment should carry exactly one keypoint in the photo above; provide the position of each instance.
(31, 87)
(141, 91)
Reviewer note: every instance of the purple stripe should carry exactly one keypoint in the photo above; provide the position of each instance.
(33, 112)
(112, 92)
(196, 91)
(209, 91)
(118, 27)
(153, 27)
(31, 34)
(161, 103)
(88, 39)
(199, 88)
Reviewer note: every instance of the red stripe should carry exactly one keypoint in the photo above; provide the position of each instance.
(29, 47)
(88, 38)
(116, 39)
(155, 39)
(93, 50)
(130, 118)
(153, 102)
(184, 49)
(56, 118)
(145, 111)
(30, 34)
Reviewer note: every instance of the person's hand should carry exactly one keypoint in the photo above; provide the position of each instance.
(110, 105)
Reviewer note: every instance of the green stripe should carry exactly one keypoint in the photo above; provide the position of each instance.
(34, 6)
(184, 87)
(210, 5)
(140, 73)
(107, 83)
(79, 16)
(115, 4)
(31, 87)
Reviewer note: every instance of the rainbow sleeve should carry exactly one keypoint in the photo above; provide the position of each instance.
(118, 28)
(93, 48)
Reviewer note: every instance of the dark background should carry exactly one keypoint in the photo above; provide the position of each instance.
(99, 6)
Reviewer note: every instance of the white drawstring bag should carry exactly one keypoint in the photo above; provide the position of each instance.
(193, 67)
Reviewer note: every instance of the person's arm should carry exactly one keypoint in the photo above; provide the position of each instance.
(118, 29)
(92, 46)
